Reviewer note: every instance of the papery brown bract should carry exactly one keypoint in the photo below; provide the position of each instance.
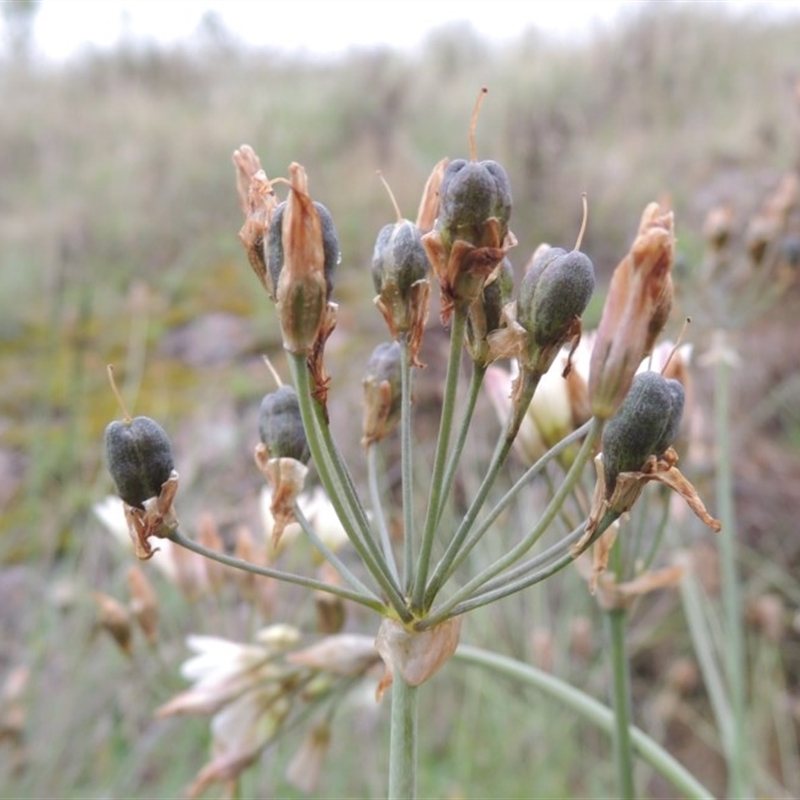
(309, 252)
(636, 309)
(258, 202)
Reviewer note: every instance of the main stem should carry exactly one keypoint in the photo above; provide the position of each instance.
(735, 745)
(403, 741)
(616, 619)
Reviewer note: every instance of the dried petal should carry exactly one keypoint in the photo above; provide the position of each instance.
(144, 603)
(635, 311)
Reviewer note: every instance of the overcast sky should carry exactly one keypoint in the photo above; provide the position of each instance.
(64, 27)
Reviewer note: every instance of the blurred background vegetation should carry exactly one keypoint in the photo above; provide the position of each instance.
(118, 222)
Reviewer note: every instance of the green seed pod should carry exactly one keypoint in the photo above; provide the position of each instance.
(399, 260)
(330, 244)
(139, 458)
(645, 425)
(471, 194)
(280, 425)
(554, 291)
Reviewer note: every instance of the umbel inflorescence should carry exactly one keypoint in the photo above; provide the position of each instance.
(461, 239)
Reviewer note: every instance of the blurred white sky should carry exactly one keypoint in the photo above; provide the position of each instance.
(64, 27)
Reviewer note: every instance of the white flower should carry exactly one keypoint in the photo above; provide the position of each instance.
(223, 670)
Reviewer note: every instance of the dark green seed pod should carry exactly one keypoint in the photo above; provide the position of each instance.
(399, 259)
(645, 425)
(673, 425)
(330, 244)
(280, 425)
(139, 457)
(471, 194)
(554, 291)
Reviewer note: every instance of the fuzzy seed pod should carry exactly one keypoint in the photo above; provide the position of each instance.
(555, 290)
(645, 425)
(399, 259)
(139, 457)
(280, 426)
(399, 271)
(471, 194)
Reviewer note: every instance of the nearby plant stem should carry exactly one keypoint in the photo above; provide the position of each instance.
(370, 601)
(406, 465)
(591, 710)
(616, 623)
(435, 498)
(403, 741)
(339, 486)
(735, 744)
(694, 607)
(377, 510)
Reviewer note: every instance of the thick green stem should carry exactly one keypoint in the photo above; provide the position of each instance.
(529, 382)
(616, 619)
(339, 486)
(521, 577)
(406, 465)
(736, 748)
(592, 711)
(329, 555)
(506, 500)
(377, 510)
(542, 524)
(478, 373)
(435, 498)
(370, 601)
(403, 741)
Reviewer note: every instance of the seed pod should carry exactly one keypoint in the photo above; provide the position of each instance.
(330, 244)
(553, 295)
(399, 259)
(280, 426)
(554, 291)
(645, 425)
(139, 458)
(382, 392)
(399, 269)
(472, 193)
